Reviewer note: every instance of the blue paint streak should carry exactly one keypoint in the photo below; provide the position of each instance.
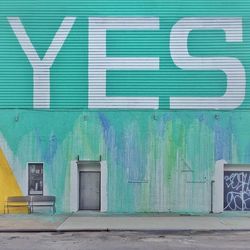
(51, 150)
(201, 118)
(106, 127)
(223, 137)
(162, 124)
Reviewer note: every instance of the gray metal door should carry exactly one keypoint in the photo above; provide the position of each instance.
(89, 195)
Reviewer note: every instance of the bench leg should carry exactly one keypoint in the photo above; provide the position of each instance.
(5, 209)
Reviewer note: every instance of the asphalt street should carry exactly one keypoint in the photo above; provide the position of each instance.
(124, 240)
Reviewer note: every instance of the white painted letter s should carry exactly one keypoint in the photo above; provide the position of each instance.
(232, 67)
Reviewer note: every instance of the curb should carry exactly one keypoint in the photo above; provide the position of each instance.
(152, 231)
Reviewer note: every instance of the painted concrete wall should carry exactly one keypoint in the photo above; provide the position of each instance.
(156, 161)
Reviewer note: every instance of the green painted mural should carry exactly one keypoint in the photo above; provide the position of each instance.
(156, 91)
(157, 161)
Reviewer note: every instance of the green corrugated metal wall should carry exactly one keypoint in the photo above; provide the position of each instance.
(157, 160)
(71, 71)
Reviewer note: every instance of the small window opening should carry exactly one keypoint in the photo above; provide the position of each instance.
(35, 175)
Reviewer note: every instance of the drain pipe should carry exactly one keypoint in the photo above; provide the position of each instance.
(212, 196)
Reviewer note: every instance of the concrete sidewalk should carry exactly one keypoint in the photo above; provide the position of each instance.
(85, 221)
(30, 222)
(155, 223)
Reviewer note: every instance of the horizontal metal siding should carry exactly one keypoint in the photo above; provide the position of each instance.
(69, 74)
